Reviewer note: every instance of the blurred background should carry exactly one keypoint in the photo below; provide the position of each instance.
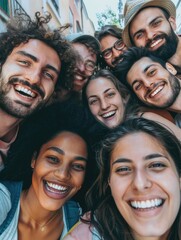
(85, 15)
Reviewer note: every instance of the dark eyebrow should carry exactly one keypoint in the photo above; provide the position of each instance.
(155, 155)
(142, 30)
(120, 160)
(104, 92)
(60, 151)
(148, 157)
(35, 59)
(56, 149)
(26, 54)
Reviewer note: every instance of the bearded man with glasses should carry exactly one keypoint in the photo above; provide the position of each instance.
(87, 49)
(112, 46)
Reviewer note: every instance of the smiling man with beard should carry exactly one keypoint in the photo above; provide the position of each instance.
(152, 80)
(31, 60)
(152, 24)
(112, 46)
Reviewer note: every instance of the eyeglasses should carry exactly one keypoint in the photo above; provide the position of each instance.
(118, 45)
(90, 66)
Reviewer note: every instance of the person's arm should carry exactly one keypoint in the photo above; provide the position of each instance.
(164, 122)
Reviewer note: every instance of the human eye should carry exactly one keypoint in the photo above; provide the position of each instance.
(139, 35)
(123, 170)
(48, 75)
(90, 65)
(151, 72)
(107, 53)
(111, 94)
(52, 159)
(156, 22)
(157, 166)
(119, 44)
(93, 101)
(23, 62)
(138, 86)
(79, 167)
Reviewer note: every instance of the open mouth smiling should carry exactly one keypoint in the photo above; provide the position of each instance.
(25, 91)
(155, 91)
(56, 188)
(146, 205)
(108, 114)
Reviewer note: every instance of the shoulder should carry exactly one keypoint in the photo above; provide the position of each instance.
(80, 231)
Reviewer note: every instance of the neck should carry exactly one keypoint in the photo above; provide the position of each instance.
(8, 126)
(176, 58)
(44, 218)
(176, 106)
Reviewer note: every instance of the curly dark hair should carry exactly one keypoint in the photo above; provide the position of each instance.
(22, 28)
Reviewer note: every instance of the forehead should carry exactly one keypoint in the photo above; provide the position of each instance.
(99, 85)
(137, 145)
(144, 17)
(141, 66)
(68, 142)
(107, 42)
(84, 51)
(38, 49)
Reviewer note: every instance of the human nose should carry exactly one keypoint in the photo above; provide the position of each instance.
(104, 104)
(62, 173)
(115, 52)
(150, 34)
(81, 67)
(141, 181)
(34, 77)
(148, 83)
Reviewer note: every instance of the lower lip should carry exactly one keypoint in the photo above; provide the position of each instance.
(147, 213)
(54, 195)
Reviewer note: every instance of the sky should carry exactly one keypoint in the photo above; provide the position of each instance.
(96, 6)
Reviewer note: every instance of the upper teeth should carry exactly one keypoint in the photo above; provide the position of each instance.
(155, 43)
(147, 204)
(108, 114)
(56, 186)
(156, 91)
(25, 90)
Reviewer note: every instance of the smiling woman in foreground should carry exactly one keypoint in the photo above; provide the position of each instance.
(138, 188)
(57, 154)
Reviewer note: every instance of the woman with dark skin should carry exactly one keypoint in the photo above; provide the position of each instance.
(55, 155)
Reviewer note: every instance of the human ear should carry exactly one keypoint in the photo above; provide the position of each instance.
(33, 159)
(172, 23)
(171, 68)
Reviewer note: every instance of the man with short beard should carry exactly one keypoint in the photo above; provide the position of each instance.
(112, 46)
(153, 81)
(31, 62)
(151, 24)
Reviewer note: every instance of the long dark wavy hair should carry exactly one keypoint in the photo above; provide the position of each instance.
(22, 28)
(104, 214)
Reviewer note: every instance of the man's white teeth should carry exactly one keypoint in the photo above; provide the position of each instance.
(156, 91)
(25, 90)
(56, 186)
(155, 43)
(147, 204)
(106, 115)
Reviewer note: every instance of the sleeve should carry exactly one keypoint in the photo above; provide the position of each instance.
(79, 231)
(5, 202)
